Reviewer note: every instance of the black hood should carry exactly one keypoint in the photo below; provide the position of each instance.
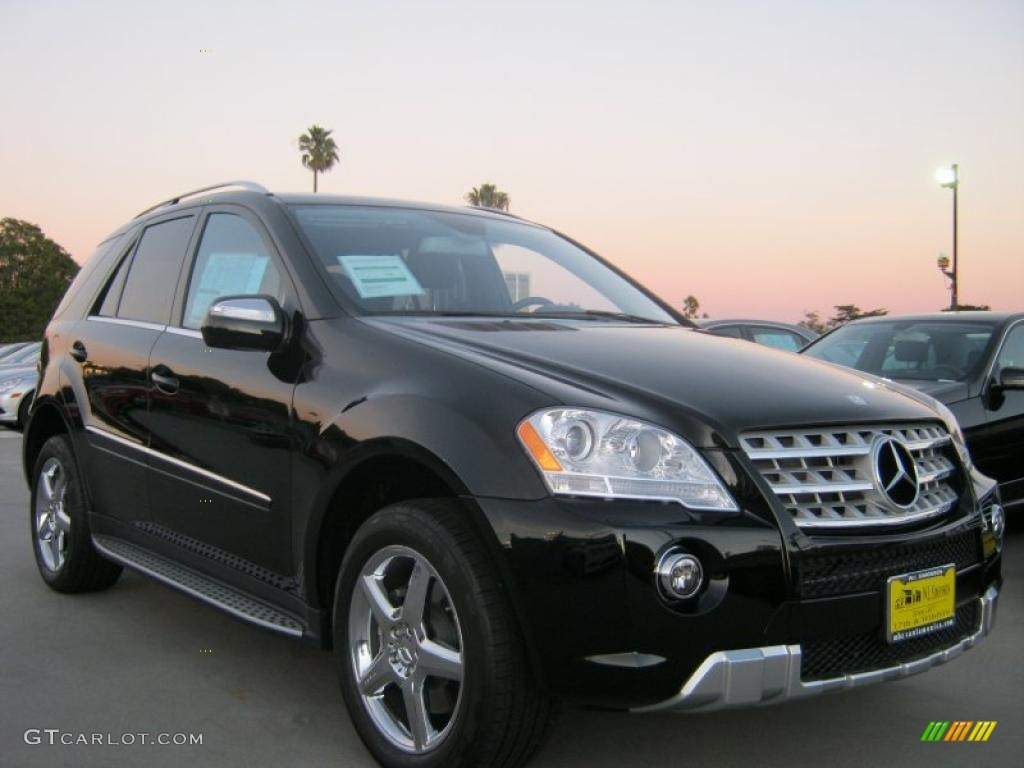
(944, 391)
(727, 384)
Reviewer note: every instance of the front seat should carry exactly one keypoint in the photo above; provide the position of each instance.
(459, 273)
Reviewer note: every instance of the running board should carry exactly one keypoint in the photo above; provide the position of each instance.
(196, 585)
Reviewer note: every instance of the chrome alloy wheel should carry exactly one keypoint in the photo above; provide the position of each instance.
(406, 648)
(52, 524)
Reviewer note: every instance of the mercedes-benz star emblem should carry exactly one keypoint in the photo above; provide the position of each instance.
(896, 472)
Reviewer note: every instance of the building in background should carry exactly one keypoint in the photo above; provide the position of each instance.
(518, 284)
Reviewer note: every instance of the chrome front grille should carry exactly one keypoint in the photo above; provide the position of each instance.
(825, 476)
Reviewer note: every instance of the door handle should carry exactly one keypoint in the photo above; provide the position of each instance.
(78, 352)
(165, 380)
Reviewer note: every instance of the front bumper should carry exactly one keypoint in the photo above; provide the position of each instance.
(772, 674)
(777, 619)
(9, 404)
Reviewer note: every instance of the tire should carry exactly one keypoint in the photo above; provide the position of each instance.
(61, 541)
(482, 708)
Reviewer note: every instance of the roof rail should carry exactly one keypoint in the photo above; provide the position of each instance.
(499, 211)
(250, 185)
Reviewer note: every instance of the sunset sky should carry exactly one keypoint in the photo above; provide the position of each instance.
(769, 157)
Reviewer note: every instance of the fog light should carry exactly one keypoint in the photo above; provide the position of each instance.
(998, 517)
(679, 575)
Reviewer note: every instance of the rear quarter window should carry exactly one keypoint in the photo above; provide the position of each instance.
(87, 282)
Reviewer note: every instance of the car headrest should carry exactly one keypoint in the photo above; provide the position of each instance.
(435, 271)
(438, 261)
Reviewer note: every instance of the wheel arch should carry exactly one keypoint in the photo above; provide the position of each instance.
(379, 472)
(46, 419)
(343, 505)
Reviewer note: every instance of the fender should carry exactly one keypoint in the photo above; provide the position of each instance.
(307, 546)
(461, 453)
(30, 445)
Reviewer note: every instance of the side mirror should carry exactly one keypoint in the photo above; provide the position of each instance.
(245, 322)
(1011, 378)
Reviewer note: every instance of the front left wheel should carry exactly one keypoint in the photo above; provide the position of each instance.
(66, 558)
(431, 665)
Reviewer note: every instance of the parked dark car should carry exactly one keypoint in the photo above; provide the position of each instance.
(785, 336)
(972, 362)
(327, 416)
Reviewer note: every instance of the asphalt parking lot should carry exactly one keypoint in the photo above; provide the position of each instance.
(140, 658)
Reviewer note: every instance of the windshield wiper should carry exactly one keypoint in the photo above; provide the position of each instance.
(442, 313)
(598, 314)
(586, 314)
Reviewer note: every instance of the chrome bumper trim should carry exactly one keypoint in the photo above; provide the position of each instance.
(768, 675)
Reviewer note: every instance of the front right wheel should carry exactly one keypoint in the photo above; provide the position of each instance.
(431, 665)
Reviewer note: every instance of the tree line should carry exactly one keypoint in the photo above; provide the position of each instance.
(34, 274)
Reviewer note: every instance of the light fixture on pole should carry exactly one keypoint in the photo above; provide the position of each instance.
(943, 264)
(950, 178)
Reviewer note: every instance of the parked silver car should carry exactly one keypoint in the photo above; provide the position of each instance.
(17, 388)
(18, 374)
(771, 333)
(24, 354)
(9, 349)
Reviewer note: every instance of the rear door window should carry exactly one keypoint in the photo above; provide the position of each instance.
(149, 287)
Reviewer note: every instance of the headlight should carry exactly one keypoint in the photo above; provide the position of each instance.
(12, 384)
(592, 453)
(955, 432)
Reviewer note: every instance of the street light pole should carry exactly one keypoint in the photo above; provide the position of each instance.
(956, 274)
(950, 177)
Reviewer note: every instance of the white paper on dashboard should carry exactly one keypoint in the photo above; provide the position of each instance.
(380, 276)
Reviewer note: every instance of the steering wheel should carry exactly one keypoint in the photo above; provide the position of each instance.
(529, 301)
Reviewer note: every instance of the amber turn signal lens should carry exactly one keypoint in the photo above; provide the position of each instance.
(535, 445)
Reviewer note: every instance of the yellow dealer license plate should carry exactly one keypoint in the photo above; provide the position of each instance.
(920, 603)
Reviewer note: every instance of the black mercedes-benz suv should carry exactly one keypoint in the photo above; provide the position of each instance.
(491, 471)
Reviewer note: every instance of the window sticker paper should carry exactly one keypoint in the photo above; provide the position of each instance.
(380, 276)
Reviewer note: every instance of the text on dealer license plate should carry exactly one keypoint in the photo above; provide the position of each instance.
(920, 603)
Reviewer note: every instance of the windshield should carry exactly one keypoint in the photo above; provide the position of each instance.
(393, 261)
(926, 350)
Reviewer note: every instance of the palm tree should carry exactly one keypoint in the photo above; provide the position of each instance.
(319, 152)
(488, 196)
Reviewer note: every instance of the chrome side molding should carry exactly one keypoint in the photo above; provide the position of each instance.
(258, 495)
